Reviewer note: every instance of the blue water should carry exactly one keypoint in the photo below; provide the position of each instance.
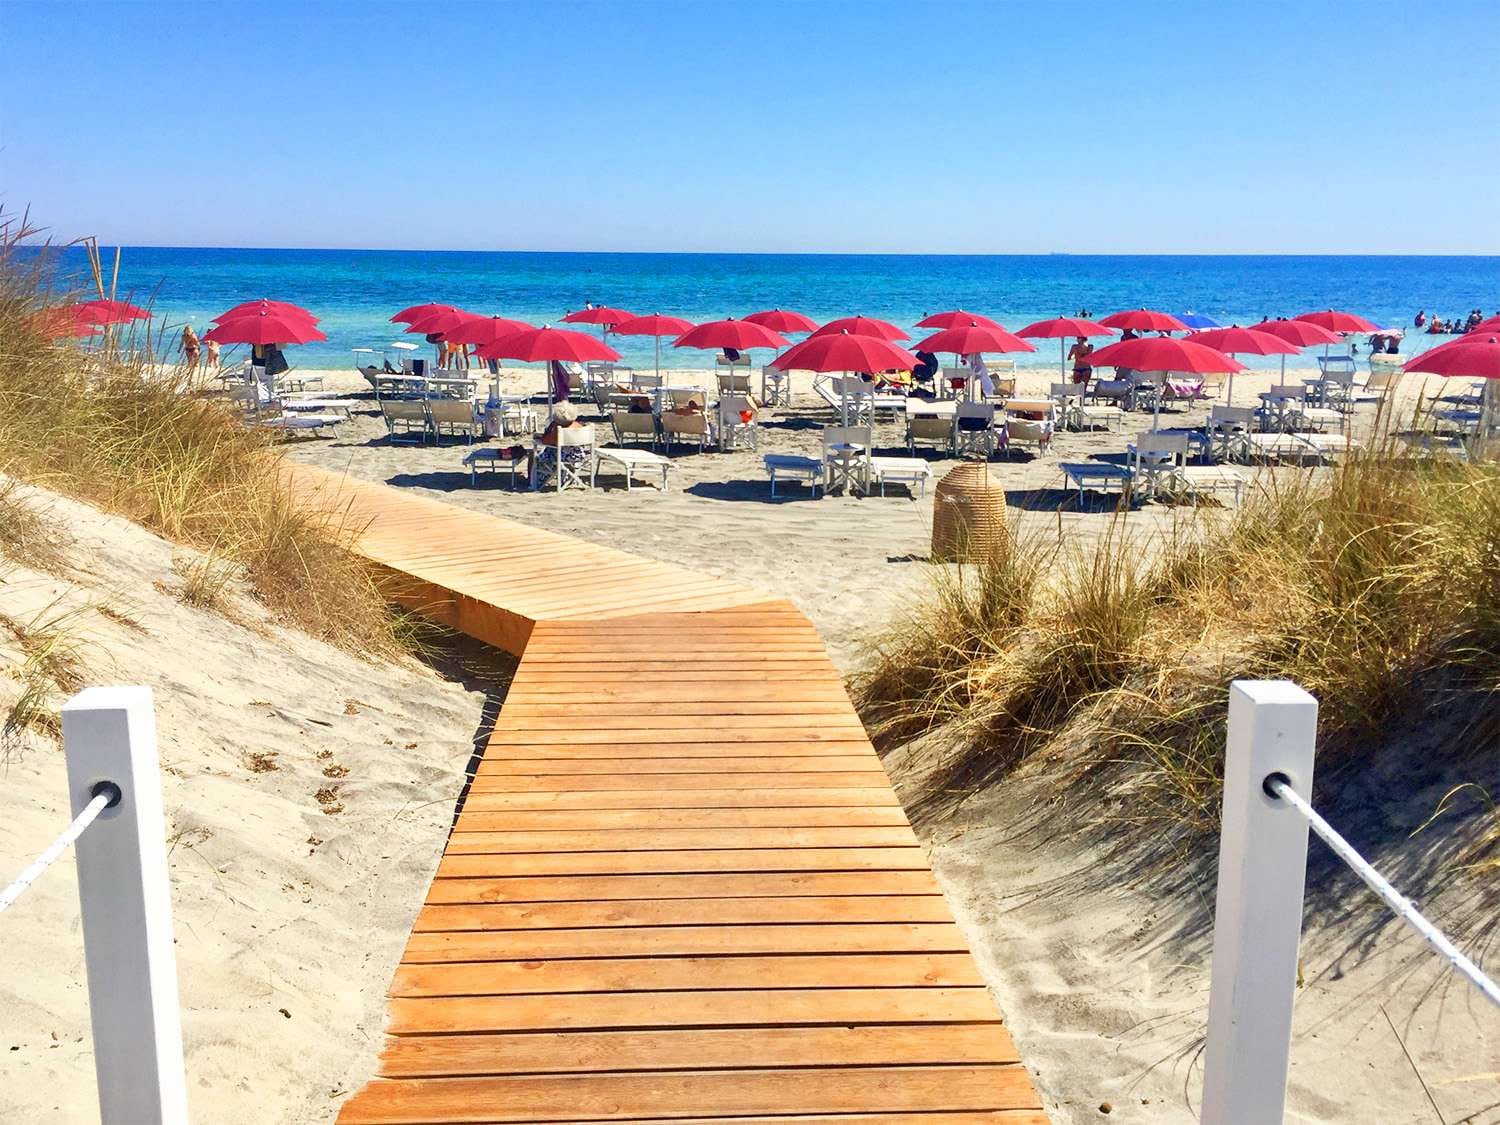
(354, 292)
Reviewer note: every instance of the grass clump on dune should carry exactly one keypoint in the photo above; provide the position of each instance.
(1376, 586)
(112, 428)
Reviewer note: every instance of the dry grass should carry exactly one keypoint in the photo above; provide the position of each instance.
(1375, 586)
(115, 430)
(52, 666)
(27, 536)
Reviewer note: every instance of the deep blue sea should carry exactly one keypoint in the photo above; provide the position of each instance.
(354, 292)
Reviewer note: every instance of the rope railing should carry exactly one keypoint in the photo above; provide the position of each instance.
(105, 794)
(1402, 906)
(1268, 775)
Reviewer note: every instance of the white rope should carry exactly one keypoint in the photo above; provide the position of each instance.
(90, 811)
(1388, 894)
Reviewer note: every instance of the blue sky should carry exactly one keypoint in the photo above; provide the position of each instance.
(1125, 126)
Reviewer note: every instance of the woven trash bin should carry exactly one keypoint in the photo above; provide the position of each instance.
(968, 520)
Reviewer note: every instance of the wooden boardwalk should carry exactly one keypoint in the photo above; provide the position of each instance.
(681, 887)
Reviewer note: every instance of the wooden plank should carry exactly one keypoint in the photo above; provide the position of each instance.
(667, 974)
(623, 1097)
(411, 1056)
(660, 758)
(967, 1117)
(683, 912)
(524, 783)
(753, 1007)
(664, 862)
(512, 819)
(626, 751)
(683, 941)
(631, 887)
(467, 840)
(563, 718)
(866, 797)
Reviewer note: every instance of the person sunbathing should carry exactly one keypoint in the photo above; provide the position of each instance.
(543, 461)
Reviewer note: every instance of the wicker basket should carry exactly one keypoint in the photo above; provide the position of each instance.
(968, 520)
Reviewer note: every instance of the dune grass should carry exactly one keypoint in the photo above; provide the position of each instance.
(114, 429)
(1375, 585)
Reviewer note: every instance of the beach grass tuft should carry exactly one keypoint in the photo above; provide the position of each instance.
(1375, 585)
(112, 428)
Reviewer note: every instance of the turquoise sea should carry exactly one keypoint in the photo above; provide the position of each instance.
(354, 292)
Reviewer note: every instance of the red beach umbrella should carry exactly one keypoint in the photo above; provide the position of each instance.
(62, 320)
(1059, 328)
(245, 308)
(654, 325)
(441, 321)
(110, 312)
(411, 312)
(1245, 341)
(1300, 332)
(1164, 353)
(783, 320)
(958, 318)
(862, 326)
(480, 330)
(1473, 356)
(1490, 325)
(1143, 320)
(740, 335)
(535, 345)
(1335, 321)
(264, 328)
(972, 337)
(844, 351)
(602, 315)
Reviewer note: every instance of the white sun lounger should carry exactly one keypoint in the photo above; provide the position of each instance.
(910, 471)
(630, 460)
(1299, 445)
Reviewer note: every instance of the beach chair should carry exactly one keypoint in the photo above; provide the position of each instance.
(727, 366)
(455, 416)
(1224, 432)
(650, 383)
(571, 459)
(1157, 459)
(405, 419)
(1003, 374)
(910, 471)
(628, 461)
(739, 421)
(1074, 413)
(1284, 446)
(1199, 479)
(1030, 421)
(494, 458)
(928, 425)
(785, 466)
(635, 424)
(846, 457)
(1378, 388)
(775, 386)
(974, 429)
(1279, 406)
(734, 383)
(1213, 386)
(686, 427)
(954, 381)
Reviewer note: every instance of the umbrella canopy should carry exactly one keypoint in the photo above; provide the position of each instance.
(861, 326)
(1244, 341)
(1475, 356)
(245, 308)
(484, 329)
(958, 318)
(783, 320)
(264, 328)
(737, 334)
(1303, 333)
(1061, 326)
(62, 320)
(1198, 320)
(1335, 321)
(547, 343)
(654, 325)
(1143, 320)
(1490, 325)
(1164, 353)
(973, 337)
(600, 315)
(844, 351)
(441, 321)
(411, 312)
(110, 312)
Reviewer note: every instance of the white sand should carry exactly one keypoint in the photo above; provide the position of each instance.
(285, 947)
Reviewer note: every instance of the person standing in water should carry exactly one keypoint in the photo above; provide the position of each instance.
(189, 347)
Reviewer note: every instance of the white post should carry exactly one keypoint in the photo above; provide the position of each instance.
(109, 737)
(1258, 913)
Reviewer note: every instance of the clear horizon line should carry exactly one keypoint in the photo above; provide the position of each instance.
(824, 253)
